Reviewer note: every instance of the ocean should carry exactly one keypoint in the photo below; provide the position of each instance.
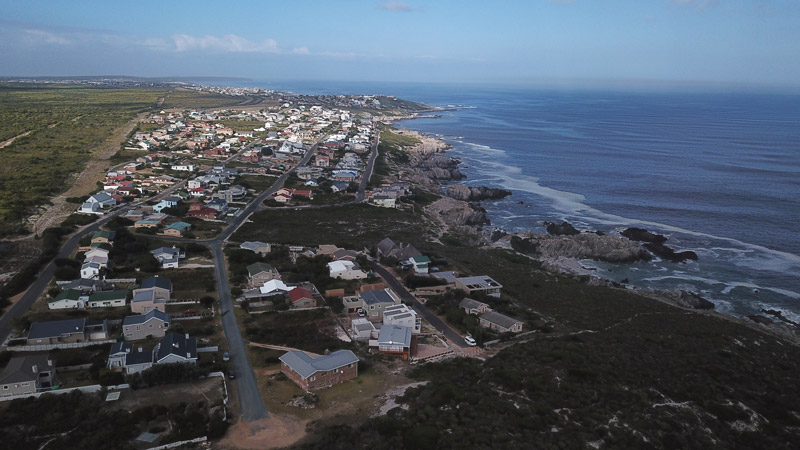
(718, 173)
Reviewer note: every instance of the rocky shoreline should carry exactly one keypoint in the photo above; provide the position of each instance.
(562, 249)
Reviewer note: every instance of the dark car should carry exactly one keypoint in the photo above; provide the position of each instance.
(231, 375)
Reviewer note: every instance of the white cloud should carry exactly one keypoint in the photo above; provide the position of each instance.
(33, 36)
(229, 43)
(395, 6)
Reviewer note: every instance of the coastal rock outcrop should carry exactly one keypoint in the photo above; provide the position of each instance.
(655, 244)
(475, 193)
(459, 213)
(642, 235)
(590, 246)
(561, 229)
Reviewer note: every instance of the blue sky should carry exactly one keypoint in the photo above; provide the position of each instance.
(708, 41)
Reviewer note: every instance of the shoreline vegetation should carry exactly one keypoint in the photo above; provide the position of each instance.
(561, 250)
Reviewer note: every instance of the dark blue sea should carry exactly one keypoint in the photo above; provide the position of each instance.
(717, 172)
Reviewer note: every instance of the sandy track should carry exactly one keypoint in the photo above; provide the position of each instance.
(273, 432)
(8, 142)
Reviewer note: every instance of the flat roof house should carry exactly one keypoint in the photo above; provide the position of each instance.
(482, 283)
(404, 316)
(313, 373)
(373, 302)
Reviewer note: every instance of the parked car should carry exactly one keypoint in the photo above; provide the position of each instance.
(231, 375)
(361, 312)
(226, 356)
(190, 311)
(470, 341)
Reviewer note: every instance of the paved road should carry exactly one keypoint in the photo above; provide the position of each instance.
(401, 290)
(370, 167)
(250, 400)
(46, 275)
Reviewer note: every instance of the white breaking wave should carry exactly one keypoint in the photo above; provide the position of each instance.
(512, 178)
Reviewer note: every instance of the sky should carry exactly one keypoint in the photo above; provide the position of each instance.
(505, 41)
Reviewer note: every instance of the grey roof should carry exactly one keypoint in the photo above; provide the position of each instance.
(252, 245)
(385, 246)
(20, 368)
(364, 326)
(408, 252)
(138, 357)
(395, 335)
(471, 304)
(306, 366)
(499, 319)
(174, 251)
(449, 277)
(120, 348)
(375, 297)
(56, 328)
(176, 344)
(142, 318)
(156, 281)
(85, 284)
(144, 295)
(256, 268)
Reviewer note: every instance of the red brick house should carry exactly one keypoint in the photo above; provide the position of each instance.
(323, 371)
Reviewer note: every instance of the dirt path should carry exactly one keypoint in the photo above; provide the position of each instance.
(85, 182)
(280, 347)
(276, 431)
(9, 141)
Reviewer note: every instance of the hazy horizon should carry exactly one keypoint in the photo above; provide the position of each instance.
(669, 42)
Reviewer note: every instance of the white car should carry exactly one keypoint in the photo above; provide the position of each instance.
(470, 341)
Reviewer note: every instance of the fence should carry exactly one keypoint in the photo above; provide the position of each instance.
(85, 389)
(43, 347)
(120, 280)
(208, 349)
(178, 444)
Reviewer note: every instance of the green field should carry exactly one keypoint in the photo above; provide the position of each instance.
(65, 123)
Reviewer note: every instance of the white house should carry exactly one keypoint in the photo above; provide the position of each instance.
(103, 199)
(91, 208)
(108, 299)
(90, 271)
(420, 263)
(187, 167)
(346, 270)
(168, 256)
(68, 299)
(274, 287)
(404, 316)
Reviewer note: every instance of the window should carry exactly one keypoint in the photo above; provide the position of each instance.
(5, 387)
(310, 379)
